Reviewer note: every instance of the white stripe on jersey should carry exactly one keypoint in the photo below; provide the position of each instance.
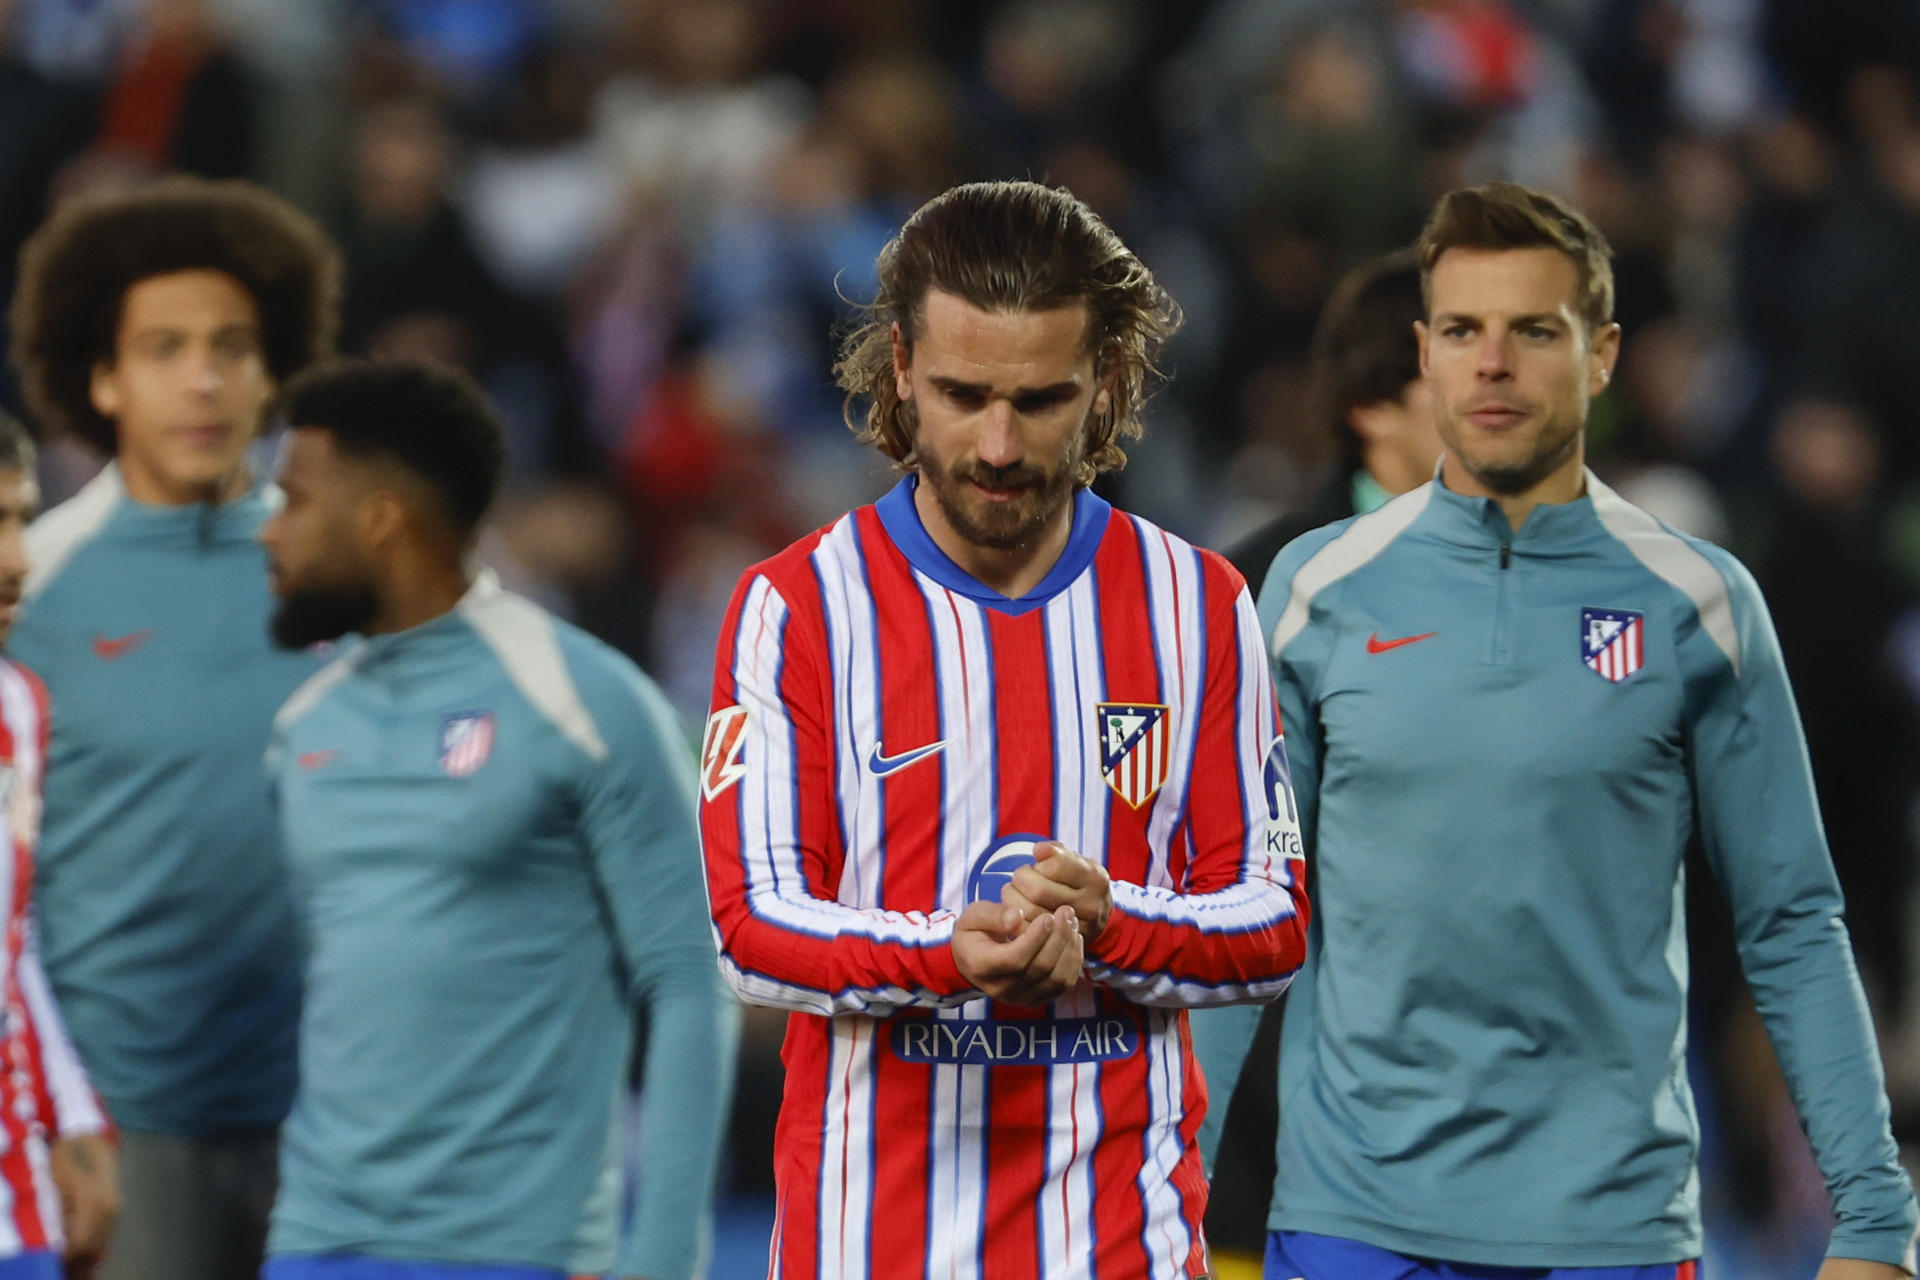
(848, 603)
(21, 713)
(1164, 1232)
(846, 1154)
(1258, 724)
(1081, 808)
(957, 1177)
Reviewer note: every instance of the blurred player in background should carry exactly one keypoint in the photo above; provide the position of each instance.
(490, 817)
(1368, 390)
(1512, 696)
(155, 326)
(58, 1187)
(993, 786)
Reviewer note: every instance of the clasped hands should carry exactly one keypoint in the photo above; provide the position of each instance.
(1030, 947)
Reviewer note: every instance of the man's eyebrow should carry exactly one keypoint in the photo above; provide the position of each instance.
(1056, 390)
(1531, 317)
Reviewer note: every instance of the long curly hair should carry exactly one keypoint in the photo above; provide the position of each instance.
(1010, 246)
(75, 272)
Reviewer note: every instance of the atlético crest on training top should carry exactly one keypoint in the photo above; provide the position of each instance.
(1613, 642)
(1136, 749)
(466, 740)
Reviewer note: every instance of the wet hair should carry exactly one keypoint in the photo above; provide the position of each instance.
(431, 419)
(1364, 348)
(17, 452)
(75, 272)
(1008, 247)
(1506, 215)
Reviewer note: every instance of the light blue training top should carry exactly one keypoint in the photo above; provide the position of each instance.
(491, 822)
(166, 923)
(1484, 1059)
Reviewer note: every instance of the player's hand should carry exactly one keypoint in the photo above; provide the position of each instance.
(1017, 960)
(1060, 878)
(86, 1172)
(1860, 1269)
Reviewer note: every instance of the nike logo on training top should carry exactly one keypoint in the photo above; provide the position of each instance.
(311, 760)
(880, 766)
(110, 649)
(1376, 645)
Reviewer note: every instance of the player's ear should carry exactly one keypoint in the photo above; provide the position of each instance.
(103, 390)
(902, 364)
(1420, 332)
(378, 518)
(1602, 354)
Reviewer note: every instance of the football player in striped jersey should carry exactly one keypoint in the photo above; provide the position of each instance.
(993, 787)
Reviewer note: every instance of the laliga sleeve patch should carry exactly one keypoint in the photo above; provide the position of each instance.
(720, 751)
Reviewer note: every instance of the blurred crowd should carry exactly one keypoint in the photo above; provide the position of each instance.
(640, 223)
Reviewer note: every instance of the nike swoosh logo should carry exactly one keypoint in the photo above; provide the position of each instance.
(1376, 645)
(111, 649)
(315, 759)
(880, 766)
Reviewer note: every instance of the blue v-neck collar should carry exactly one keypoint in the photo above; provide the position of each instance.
(902, 522)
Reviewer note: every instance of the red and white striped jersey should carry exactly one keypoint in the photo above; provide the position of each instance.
(886, 735)
(44, 1091)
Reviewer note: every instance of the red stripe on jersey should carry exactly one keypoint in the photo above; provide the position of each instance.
(1119, 1214)
(1023, 756)
(912, 798)
(1132, 666)
(912, 805)
(797, 1155)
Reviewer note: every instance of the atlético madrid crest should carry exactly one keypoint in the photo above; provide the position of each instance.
(1613, 642)
(1136, 748)
(466, 740)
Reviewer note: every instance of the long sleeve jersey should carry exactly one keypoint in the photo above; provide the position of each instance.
(1500, 741)
(491, 822)
(44, 1090)
(162, 897)
(886, 734)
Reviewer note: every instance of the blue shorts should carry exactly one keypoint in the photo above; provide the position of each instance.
(36, 1265)
(354, 1266)
(1298, 1255)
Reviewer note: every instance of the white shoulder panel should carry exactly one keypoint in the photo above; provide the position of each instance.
(1364, 539)
(1675, 561)
(55, 536)
(522, 636)
(316, 687)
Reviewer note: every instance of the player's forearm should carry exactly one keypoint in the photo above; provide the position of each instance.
(693, 1033)
(1816, 1014)
(814, 956)
(1238, 945)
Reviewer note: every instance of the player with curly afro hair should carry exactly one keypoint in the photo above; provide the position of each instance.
(159, 326)
(81, 270)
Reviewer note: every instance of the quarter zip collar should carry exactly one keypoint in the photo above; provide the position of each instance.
(200, 524)
(433, 640)
(1553, 529)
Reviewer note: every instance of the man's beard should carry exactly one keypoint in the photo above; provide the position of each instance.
(1003, 526)
(322, 613)
(1510, 479)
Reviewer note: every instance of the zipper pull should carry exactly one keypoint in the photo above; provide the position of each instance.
(1506, 554)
